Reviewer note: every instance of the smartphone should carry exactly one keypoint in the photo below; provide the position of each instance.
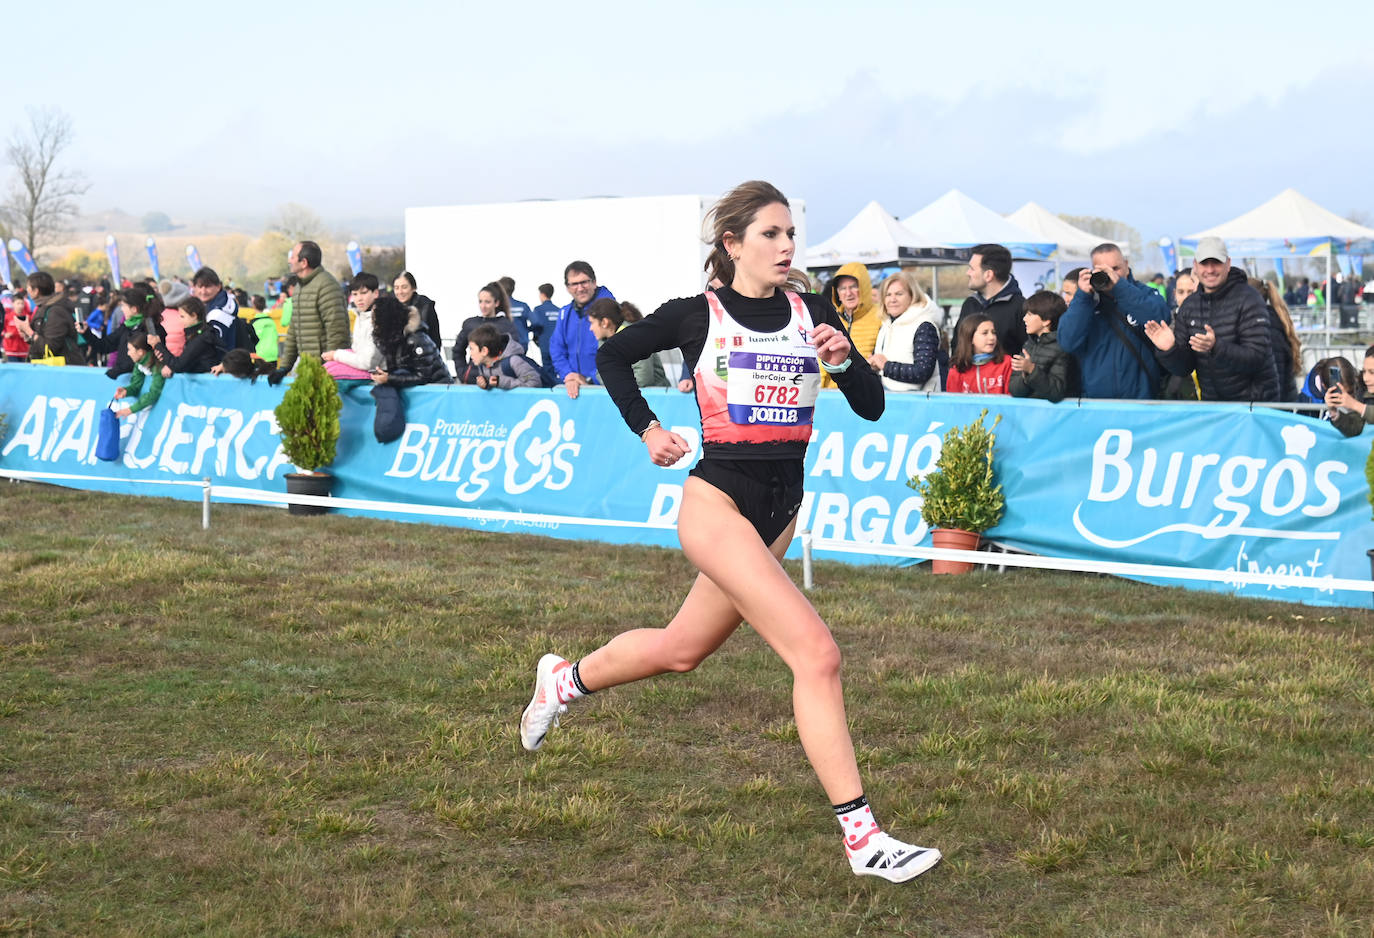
(1333, 376)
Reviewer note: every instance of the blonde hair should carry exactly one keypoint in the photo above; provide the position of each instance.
(1271, 295)
(907, 279)
(735, 212)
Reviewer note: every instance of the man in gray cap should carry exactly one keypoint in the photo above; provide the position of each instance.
(1221, 332)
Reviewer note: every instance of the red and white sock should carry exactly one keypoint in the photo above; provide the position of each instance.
(568, 683)
(856, 819)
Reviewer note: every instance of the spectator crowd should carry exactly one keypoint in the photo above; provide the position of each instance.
(1209, 333)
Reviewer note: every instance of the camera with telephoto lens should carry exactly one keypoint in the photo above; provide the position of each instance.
(1100, 281)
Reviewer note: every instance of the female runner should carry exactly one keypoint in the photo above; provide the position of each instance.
(758, 351)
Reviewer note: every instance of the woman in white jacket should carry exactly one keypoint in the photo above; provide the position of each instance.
(357, 362)
(907, 353)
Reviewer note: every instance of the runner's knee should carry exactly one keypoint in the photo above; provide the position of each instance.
(819, 660)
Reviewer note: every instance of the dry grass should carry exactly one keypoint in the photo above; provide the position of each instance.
(307, 727)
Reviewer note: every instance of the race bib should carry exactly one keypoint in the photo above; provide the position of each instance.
(773, 389)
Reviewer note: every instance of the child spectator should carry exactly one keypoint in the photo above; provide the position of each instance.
(280, 313)
(203, 350)
(134, 306)
(358, 361)
(265, 328)
(409, 355)
(493, 308)
(1043, 369)
(979, 366)
(495, 360)
(172, 334)
(1350, 403)
(145, 369)
(241, 363)
(606, 317)
(15, 348)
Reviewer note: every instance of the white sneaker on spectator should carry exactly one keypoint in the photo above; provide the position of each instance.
(544, 707)
(885, 856)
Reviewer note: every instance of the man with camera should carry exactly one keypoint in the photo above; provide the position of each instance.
(1103, 329)
(1221, 332)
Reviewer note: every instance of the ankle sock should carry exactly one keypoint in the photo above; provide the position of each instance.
(569, 684)
(856, 819)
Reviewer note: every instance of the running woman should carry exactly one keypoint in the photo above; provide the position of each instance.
(757, 351)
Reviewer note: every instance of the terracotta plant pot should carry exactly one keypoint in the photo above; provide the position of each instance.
(953, 539)
(308, 483)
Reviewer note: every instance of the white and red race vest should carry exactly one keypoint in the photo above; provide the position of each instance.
(757, 387)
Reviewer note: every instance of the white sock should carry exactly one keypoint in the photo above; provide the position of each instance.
(856, 820)
(568, 683)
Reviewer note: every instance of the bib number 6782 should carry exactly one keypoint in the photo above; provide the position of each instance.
(776, 394)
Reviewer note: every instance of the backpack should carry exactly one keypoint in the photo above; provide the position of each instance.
(245, 336)
(508, 369)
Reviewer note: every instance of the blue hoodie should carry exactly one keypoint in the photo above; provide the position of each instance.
(573, 345)
(1108, 368)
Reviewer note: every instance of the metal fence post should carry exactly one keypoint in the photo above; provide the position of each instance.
(808, 580)
(205, 505)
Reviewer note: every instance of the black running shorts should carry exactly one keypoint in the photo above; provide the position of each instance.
(768, 493)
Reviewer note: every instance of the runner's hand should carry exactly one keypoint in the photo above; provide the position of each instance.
(665, 446)
(832, 346)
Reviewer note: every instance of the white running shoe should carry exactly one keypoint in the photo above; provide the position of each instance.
(544, 707)
(885, 856)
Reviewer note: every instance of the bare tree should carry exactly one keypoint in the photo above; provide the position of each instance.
(298, 222)
(42, 200)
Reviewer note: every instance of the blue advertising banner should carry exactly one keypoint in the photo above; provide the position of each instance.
(193, 258)
(151, 244)
(112, 253)
(1214, 487)
(22, 257)
(355, 257)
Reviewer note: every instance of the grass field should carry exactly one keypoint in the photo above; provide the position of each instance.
(292, 726)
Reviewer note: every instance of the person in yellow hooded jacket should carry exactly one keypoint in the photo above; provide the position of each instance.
(851, 293)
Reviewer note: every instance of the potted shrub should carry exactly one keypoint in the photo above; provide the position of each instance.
(961, 500)
(308, 417)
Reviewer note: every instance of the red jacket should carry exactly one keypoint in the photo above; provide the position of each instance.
(12, 342)
(990, 378)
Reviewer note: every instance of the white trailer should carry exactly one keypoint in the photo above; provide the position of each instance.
(644, 250)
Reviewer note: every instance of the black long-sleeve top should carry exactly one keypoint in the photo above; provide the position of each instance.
(202, 352)
(683, 323)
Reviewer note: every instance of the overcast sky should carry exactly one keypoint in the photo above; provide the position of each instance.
(1169, 116)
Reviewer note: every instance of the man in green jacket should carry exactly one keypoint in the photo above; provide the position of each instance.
(319, 319)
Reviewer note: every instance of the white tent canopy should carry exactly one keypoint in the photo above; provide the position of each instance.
(872, 237)
(1290, 224)
(1075, 244)
(958, 220)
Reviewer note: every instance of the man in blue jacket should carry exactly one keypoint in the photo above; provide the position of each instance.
(573, 345)
(1104, 329)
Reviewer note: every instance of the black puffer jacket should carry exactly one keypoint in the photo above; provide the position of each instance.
(1240, 367)
(415, 360)
(203, 351)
